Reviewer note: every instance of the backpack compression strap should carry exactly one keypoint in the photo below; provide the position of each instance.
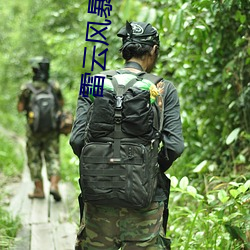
(119, 89)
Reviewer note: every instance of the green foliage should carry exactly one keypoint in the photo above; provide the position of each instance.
(69, 162)
(217, 220)
(205, 52)
(11, 156)
(9, 225)
(8, 229)
(201, 61)
(11, 166)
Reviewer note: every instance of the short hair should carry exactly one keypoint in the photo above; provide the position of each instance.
(136, 50)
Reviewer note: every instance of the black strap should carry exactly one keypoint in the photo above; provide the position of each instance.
(119, 89)
(106, 172)
(153, 78)
(107, 185)
(165, 183)
(81, 206)
(130, 83)
(106, 160)
(80, 201)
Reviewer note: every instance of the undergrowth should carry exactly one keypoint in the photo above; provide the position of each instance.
(11, 165)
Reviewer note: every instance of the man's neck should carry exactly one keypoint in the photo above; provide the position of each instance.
(133, 66)
(143, 63)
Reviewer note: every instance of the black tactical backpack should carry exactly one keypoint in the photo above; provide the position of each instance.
(43, 109)
(118, 164)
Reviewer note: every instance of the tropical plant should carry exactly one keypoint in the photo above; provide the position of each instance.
(205, 52)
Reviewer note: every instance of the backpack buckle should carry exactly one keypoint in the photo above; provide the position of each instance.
(119, 102)
(118, 118)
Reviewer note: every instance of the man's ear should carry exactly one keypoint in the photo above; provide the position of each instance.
(155, 50)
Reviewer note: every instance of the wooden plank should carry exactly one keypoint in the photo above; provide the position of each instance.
(20, 204)
(24, 212)
(22, 240)
(62, 211)
(42, 237)
(64, 235)
(16, 203)
(71, 202)
(60, 214)
(58, 211)
(26, 173)
(45, 222)
(25, 209)
(70, 196)
(39, 211)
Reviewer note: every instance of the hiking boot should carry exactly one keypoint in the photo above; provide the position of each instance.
(54, 187)
(38, 191)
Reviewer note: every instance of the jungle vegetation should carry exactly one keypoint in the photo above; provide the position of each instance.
(205, 52)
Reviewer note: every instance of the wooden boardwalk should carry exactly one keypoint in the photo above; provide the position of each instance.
(46, 224)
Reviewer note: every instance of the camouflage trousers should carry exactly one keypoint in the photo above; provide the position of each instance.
(43, 149)
(121, 228)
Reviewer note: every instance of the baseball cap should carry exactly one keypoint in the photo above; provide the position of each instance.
(139, 32)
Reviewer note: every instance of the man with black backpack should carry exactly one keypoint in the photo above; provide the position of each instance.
(42, 102)
(126, 140)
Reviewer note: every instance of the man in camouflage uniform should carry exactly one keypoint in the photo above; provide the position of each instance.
(113, 228)
(42, 145)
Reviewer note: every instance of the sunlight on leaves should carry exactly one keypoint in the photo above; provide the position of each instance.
(174, 181)
(184, 183)
(222, 196)
(234, 192)
(192, 190)
(200, 167)
(232, 136)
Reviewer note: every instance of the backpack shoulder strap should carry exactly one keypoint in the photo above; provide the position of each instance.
(51, 86)
(109, 73)
(35, 90)
(53, 90)
(32, 88)
(153, 78)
